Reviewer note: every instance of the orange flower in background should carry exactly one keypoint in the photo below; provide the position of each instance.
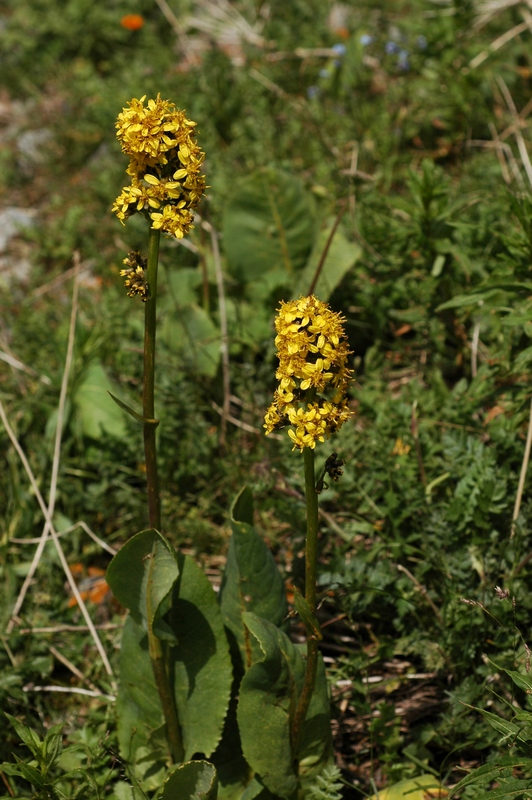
(132, 22)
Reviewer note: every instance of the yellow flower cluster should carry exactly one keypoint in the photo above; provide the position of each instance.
(135, 275)
(165, 165)
(313, 352)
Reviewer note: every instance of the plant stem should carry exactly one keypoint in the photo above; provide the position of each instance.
(148, 394)
(311, 563)
(157, 649)
(166, 695)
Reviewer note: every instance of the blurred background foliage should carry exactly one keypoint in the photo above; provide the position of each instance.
(406, 123)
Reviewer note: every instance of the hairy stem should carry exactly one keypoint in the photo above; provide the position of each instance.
(148, 394)
(311, 562)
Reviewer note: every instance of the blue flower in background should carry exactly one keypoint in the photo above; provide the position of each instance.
(340, 49)
(365, 39)
(421, 42)
(402, 60)
(392, 48)
(313, 92)
(324, 73)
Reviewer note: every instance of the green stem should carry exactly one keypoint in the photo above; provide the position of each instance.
(148, 394)
(162, 681)
(157, 649)
(311, 563)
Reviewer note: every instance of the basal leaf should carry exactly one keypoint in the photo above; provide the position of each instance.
(195, 780)
(341, 257)
(98, 414)
(201, 663)
(191, 333)
(268, 225)
(251, 580)
(268, 695)
(138, 707)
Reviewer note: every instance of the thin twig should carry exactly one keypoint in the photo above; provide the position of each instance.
(244, 425)
(57, 448)
(73, 669)
(69, 690)
(498, 43)
(325, 516)
(16, 364)
(71, 528)
(415, 434)
(474, 349)
(106, 626)
(523, 152)
(60, 552)
(8, 786)
(524, 467)
(422, 590)
(327, 247)
(9, 651)
(500, 154)
(224, 335)
(52, 285)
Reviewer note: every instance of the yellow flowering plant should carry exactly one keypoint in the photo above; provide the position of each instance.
(191, 709)
(311, 399)
(313, 375)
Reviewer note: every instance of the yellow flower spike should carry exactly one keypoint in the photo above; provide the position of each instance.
(313, 374)
(165, 165)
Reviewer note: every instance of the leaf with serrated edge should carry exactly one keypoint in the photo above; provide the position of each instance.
(202, 667)
(251, 581)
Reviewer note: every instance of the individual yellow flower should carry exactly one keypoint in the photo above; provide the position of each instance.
(313, 374)
(165, 165)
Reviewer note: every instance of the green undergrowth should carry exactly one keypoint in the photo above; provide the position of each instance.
(430, 265)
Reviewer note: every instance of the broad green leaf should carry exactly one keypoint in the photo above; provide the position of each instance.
(233, 771)
(242, 508)
(191, 333)
(268, 225)
(316, 746)
(341, 257)
(267, 699)
(201, 663)
(423, 787)
(183, 284)
(98, 414)
(138, 707)
(142, 574)
(251, 580)
(256, 791)
(195, 780)
(268, 695)
(124, 791)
